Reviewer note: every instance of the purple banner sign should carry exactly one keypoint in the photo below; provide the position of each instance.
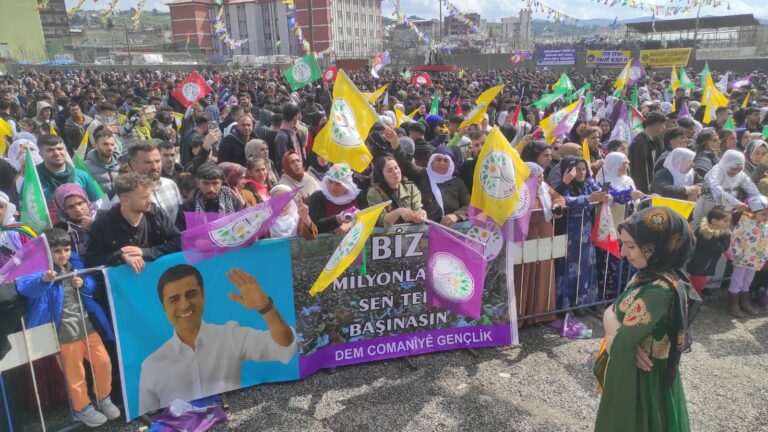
(556, 56)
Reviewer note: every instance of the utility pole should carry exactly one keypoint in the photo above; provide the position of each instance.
(128, 45)
(696, 30)
(311, 26)
(440, 23)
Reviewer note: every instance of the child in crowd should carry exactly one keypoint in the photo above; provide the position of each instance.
(57, 300)
(749, 251)
(713, 237)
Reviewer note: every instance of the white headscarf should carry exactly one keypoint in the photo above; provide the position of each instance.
(9, 239)
(436, 179)
(544, 199)
(340, 173)
(14, 151)
(730, 159)
(610, 172)
(284, 225)
(674, 163)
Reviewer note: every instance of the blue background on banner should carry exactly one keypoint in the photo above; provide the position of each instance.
(143, 327)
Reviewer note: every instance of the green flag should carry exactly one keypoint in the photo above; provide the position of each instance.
(303, 72)
(685, 82)
(765, 131)
(547, 99)
(580, 92)
(634, 97)
(729, 124)
(434, 109)
(407, 73)
(563, 83)
(34, 210)
(79, 164)
(704, 74)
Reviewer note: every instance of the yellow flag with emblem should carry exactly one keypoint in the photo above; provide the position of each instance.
(374, 96)
(349, 248)
(401, 117)
(180, 118)
(674, 80)
(342, 139)
(83, 145)
(585, 151)
(476, 115)
(499, 176)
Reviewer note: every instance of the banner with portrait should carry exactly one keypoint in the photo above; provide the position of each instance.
(246, 317)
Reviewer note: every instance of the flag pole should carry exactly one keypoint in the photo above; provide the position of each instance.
(453, 231)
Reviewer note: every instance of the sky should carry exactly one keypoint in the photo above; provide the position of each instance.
(581, 9)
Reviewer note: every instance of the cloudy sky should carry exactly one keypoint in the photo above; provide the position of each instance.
(582, 9)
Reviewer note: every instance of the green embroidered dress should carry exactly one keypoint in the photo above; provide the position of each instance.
(635, 400)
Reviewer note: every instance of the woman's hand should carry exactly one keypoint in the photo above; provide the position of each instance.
(449, 219)
(419, 216)
(303, 211)
(390, 135)
(637, 194)
(569, 176)
(597, 197)
(741, 207)
(692, 192)
(644, 361)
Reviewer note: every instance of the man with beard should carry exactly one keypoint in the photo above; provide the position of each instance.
(145, 159)
(211, 196)
(74, 127)
(102, 162)
(133, 231)
(232, 147)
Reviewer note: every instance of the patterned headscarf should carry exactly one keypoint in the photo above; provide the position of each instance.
(340, 173)
(666, 241)
(65, 191)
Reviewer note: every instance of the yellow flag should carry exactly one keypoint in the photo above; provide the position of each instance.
(675, 81)
(476, 115)
(461, 73)
(674, 105)
(373, 97)
(401, 117)
(83, 145)
(683, 208)
(712, 98)
(342, 139)
(499, 175)
(621, 80)
(585, 151)
(413, 113)
(560, 122)
(6, 130)
(180, 118)
(52, 131)
(349, 248)
(746, 101)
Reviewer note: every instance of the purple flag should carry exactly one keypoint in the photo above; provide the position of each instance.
(683, 111)
(743, 81)
(622, 130)
(232, 232)
(636, 72)
(516, 227)
(455, 273)
(33, 257)
(194, 219)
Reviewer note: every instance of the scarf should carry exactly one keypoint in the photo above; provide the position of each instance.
(543, 193)
(9, 239)
(665, 239)
(65, 191)
(15, 156)
(261, 189)
(340, 173)
(610, 172)
(297, 177)
(676, 161)
(730, 159)
(226, 203)
(435, 179)
(56, 179)
(284, 225)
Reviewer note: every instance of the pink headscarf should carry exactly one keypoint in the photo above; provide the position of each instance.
(65, 191)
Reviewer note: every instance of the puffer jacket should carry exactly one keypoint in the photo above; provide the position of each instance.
(46, 300)
(104, 174)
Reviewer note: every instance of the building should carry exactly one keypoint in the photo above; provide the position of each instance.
(452, 26)
(518, 31)
(54, 20)
(352, 27)
(21, 38)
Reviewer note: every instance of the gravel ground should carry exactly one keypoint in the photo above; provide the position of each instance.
(546, 384)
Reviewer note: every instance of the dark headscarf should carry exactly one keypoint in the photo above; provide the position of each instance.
(576, 187)
(666, 241)
(532, 151)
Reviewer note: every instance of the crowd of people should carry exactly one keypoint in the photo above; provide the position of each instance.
(164, 168)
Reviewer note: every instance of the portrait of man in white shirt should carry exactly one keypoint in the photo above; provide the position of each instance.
(202, 359)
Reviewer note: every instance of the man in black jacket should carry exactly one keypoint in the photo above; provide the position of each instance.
(133, 231)
(232, 147)
(211, 196)
(644, 149)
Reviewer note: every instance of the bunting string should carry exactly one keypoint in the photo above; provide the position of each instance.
(108, 11)
(455, 12)
(685, 6)
(556, 15)
(294, 26)
(42, 5)
(137, 15)
(223, 33)
(73, 10)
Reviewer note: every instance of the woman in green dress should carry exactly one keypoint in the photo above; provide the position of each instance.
(645, 329)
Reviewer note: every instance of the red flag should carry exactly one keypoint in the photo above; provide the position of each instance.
(422, 79)
(191, 90)
(604, 233)
(329, 75)
(516, 117)
(458, 110)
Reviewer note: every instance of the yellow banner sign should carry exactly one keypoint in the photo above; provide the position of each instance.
(665, 58)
